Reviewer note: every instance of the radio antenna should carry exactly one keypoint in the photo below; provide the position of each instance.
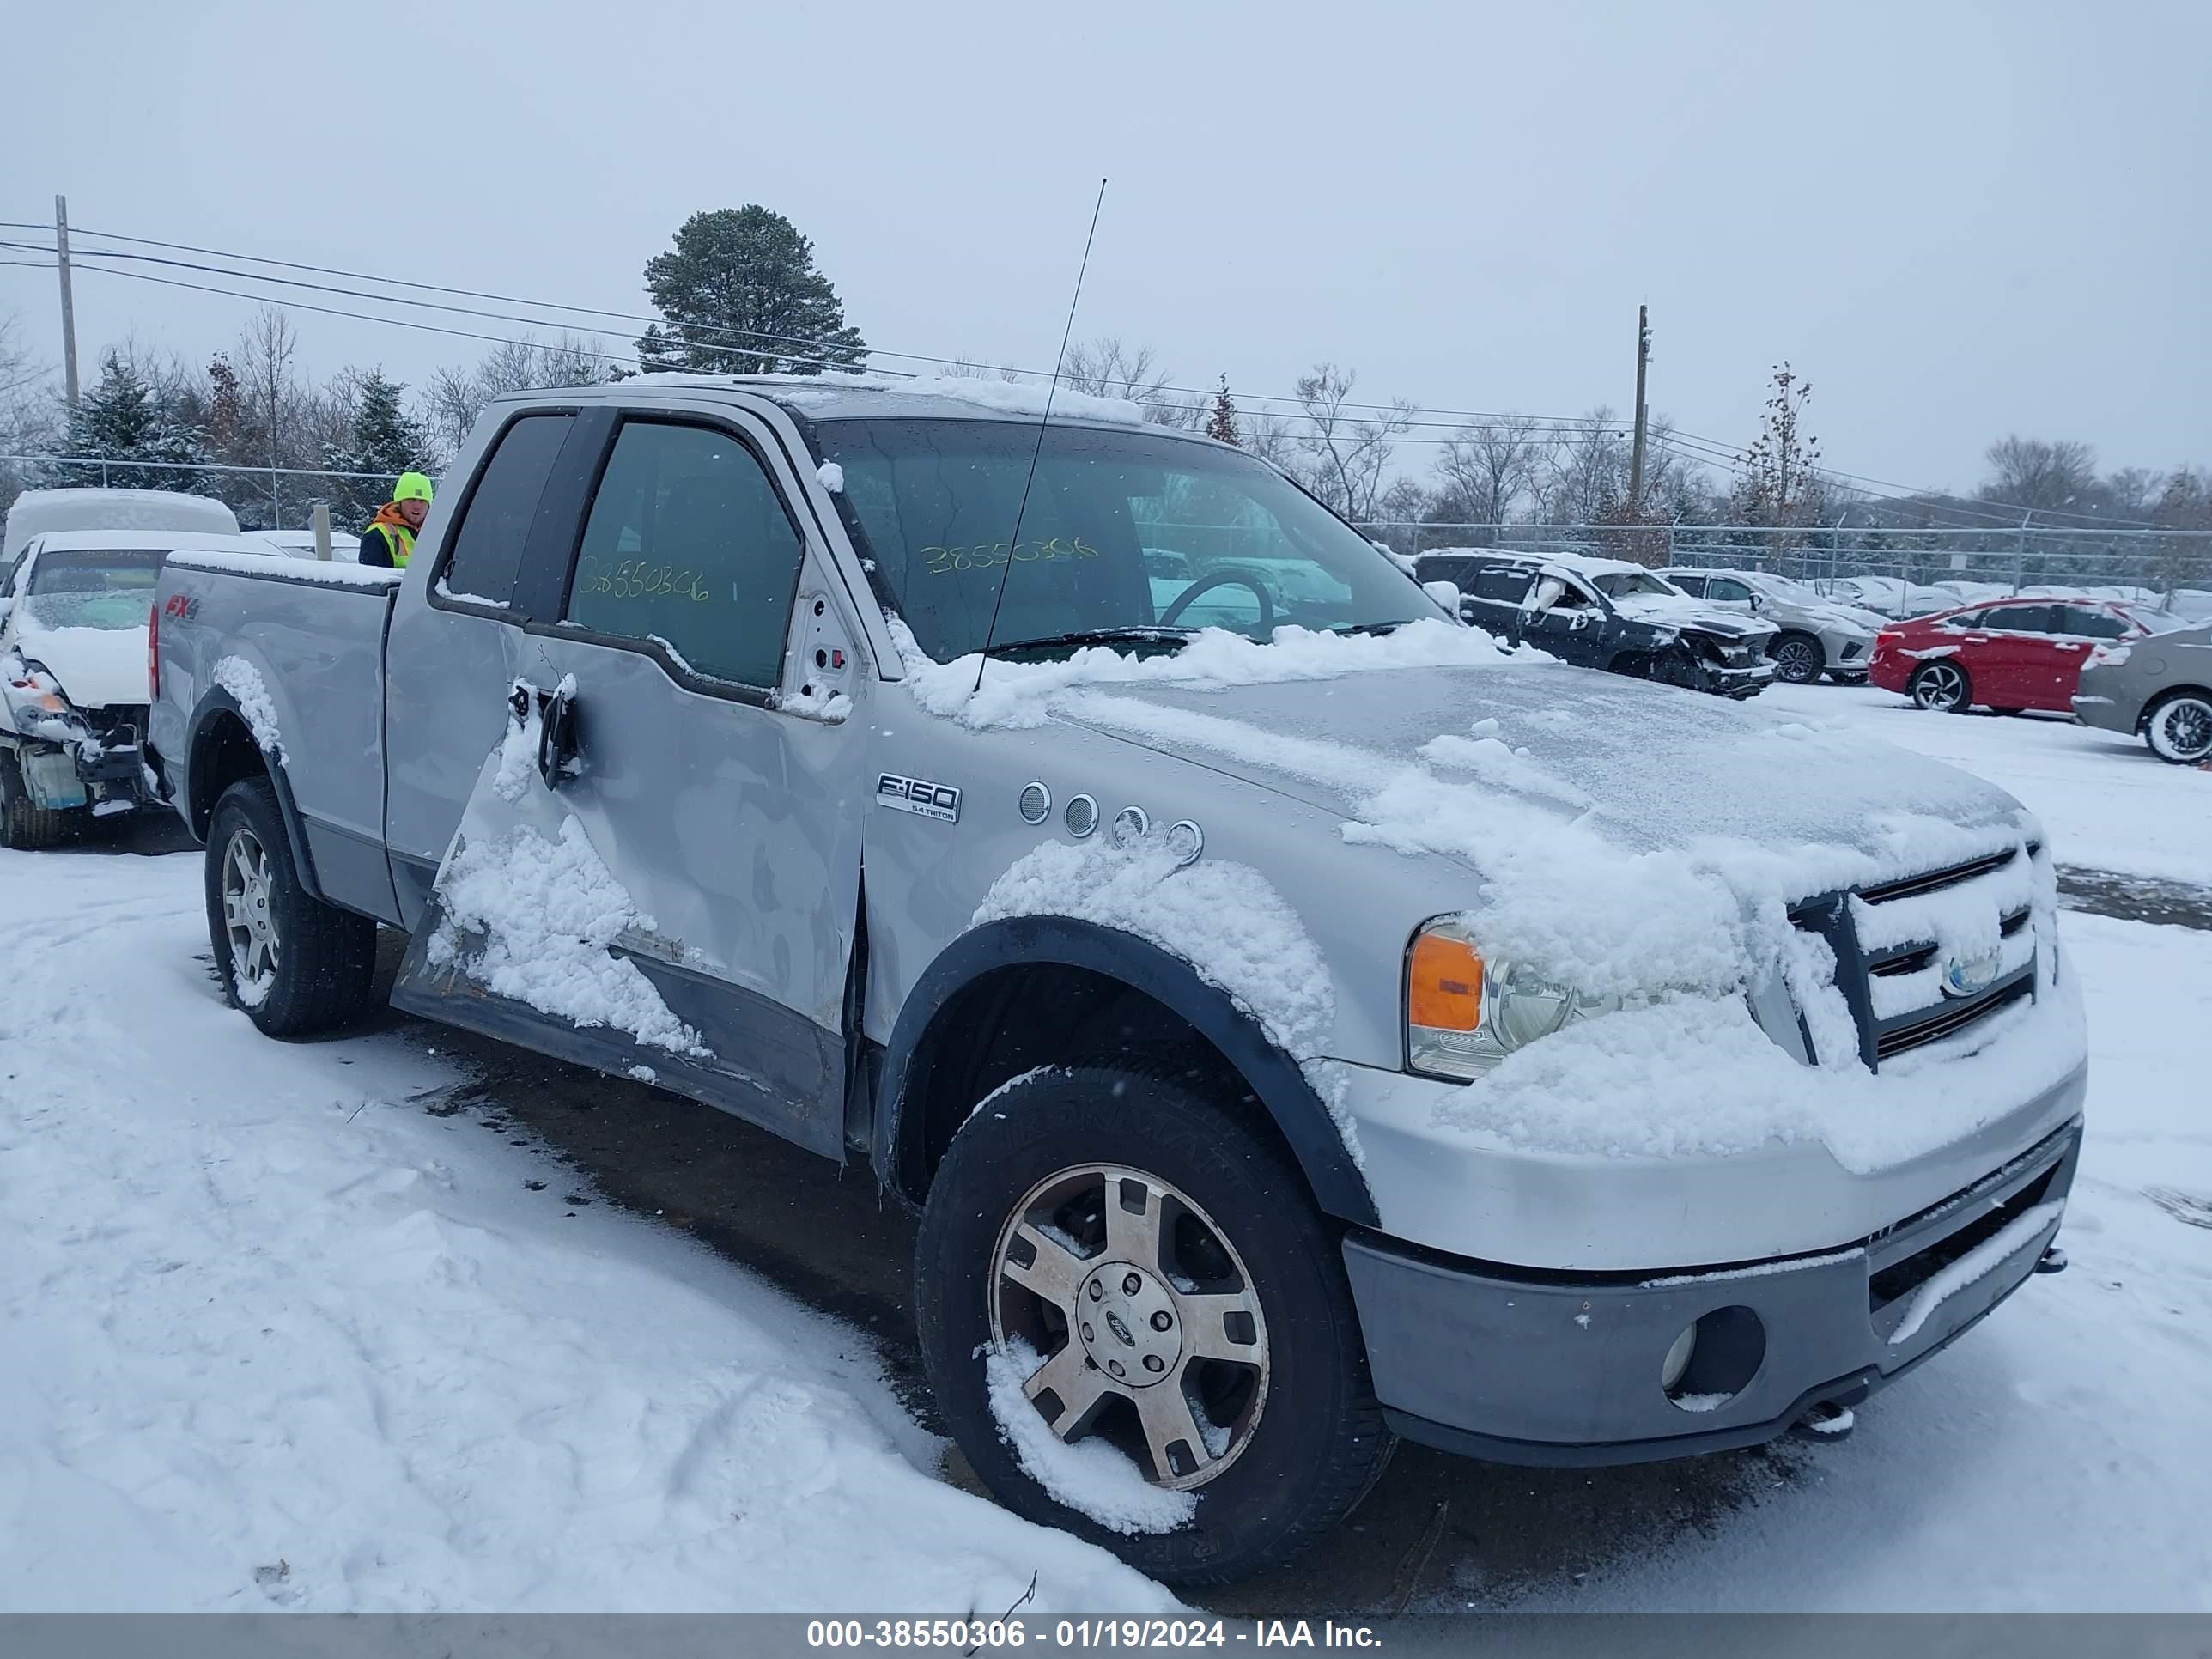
(1006, 570)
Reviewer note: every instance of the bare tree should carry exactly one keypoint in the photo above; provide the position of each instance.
(1399, 512)
(1108, 367)
(1267, 436)
(2039, 475)
(1343, 456)
(455, 397)
(1484, 471)
(1779, 480)
(1585, 469)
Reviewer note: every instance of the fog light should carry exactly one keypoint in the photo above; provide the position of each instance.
(1715, 1360)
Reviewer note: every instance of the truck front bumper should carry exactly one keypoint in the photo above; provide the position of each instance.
(1518, 1366)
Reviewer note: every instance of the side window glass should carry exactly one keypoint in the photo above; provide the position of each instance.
(1503, 583)
(2082, 623)
(2019, 619)
(688, 543)
(1723, 588)
(488, 545)
(1688, 584)
(1966, 619)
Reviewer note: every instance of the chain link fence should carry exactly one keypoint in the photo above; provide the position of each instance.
(263, 497)
(2148, 562)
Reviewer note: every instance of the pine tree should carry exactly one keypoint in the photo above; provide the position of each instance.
(385, 442)
(1222, 424)
(120, 421)
(739, 295)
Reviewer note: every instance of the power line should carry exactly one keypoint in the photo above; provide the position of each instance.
(1707, 452)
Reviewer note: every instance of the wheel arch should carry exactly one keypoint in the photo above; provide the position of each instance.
(221, 750)
(1031, 990)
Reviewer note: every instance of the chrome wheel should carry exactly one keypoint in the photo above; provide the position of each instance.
(2180, 729)
(1149, 1327)
(248, 920)
(1798, 661)
(1941, 686)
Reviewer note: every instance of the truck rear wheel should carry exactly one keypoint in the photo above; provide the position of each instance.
(294, 965)
(25, 826)
(1138, 1328)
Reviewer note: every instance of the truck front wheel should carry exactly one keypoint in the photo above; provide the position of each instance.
(1139, 1326)
(294, 965)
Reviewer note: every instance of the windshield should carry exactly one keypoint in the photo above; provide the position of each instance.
(1623, 583)
(1781, 588)
(93, 587)
(1123, 530)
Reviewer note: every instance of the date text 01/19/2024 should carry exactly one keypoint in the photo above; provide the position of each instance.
(974, 1635)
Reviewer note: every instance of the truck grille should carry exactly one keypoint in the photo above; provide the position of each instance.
(1872, 978)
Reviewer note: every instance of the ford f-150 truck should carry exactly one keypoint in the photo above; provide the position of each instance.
(1322, 1026)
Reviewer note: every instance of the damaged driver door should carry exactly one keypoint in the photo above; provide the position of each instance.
(657, 872)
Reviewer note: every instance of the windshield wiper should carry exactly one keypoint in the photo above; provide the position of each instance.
(1145, 635)
(1372, 627)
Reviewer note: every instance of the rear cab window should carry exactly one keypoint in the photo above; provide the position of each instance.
(486, 546)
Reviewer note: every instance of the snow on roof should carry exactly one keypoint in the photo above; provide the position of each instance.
(1582, 564)
(835, 396)
(166, 541)
(37, 511)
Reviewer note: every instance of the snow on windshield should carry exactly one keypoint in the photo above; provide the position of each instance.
(109, 589)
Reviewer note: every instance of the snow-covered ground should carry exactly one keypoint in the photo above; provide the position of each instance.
(2107, 801)
(271, 1334)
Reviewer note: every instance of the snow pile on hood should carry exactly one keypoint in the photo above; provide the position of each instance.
(1222, 918)
(243, 681)
(543, 914)
(1027, 694)
(1089, 1476)
(95, 668)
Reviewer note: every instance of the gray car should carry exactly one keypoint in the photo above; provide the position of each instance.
(2160, 686)
(1319, 1027)
(1817, 636)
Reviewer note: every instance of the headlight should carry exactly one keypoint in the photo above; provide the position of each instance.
(1464, 1013)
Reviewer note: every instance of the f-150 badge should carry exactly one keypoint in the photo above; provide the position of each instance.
(919, 795)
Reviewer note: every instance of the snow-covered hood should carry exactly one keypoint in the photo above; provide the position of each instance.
(1627, 837)
(96, 667)
(1650, 767)
(1680, 611)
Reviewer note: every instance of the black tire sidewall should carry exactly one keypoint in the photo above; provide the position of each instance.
(1820, 659)
(1320, 1434)
(292, 1006)
(1966, 695)
(2150, 725)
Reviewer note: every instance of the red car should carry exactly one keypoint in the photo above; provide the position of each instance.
(2006, 655)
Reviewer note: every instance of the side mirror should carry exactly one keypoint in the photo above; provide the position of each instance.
(1446, 594)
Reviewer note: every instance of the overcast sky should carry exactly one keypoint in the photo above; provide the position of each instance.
(1957, 220)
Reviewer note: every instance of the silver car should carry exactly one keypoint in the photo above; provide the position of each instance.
(2160, 686)
(1817, 636)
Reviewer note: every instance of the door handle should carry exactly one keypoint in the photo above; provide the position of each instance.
(556, 711)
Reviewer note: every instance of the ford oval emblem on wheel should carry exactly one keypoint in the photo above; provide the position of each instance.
(1969, 976)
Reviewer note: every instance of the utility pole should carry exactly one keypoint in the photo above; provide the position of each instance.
(69, 305)
(1636, 455)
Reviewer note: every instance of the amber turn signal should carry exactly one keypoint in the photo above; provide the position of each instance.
(1443, 984)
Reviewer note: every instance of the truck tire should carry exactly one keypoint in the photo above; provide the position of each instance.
(25, 826)
(2178, 728)
(292, 965)
(1799, 659)
(1183, 1232)
(1942, 685)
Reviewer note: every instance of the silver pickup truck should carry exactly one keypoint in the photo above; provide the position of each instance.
(1322, 1026)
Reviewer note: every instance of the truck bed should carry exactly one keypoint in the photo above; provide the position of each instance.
(296, 649)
